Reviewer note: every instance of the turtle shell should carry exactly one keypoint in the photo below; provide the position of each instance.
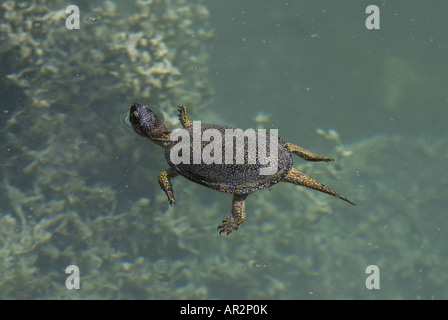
(231, 177)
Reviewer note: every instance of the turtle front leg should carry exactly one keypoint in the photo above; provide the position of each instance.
(164, 180)
(305, 154)
(184, 118)
(236, 218)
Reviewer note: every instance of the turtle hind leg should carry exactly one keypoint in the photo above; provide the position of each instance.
(236, 218)
(164, 181)
(305, 154)
(299, 178)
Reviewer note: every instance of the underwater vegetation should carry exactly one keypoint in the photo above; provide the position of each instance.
(62, 128)
(147, 52)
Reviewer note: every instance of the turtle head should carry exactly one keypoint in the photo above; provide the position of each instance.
(148, 125)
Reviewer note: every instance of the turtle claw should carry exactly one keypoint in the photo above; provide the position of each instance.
(170, 196)
(228, 225)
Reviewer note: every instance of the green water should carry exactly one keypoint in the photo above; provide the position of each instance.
(80, 188)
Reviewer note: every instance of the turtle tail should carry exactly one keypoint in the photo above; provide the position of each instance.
(299, 178)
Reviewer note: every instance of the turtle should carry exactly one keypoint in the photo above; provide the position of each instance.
(237, 178)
